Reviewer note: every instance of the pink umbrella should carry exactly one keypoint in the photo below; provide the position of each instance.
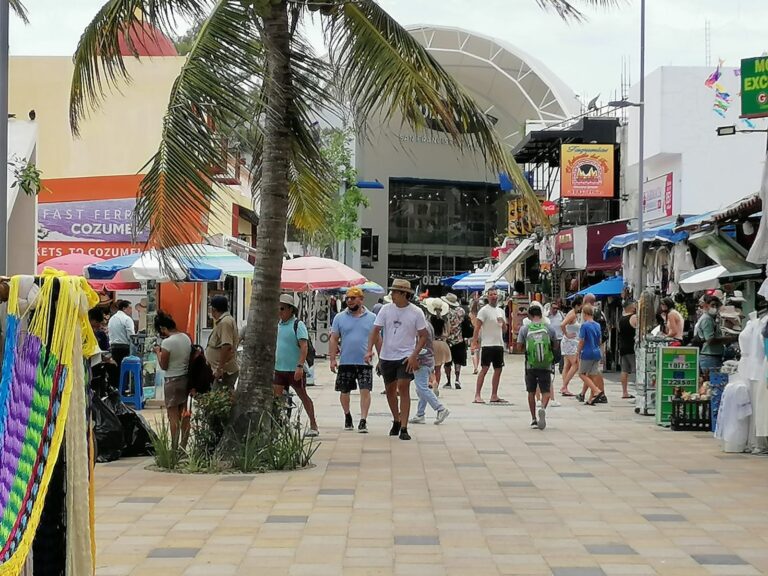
(312, 273)
(73, 264)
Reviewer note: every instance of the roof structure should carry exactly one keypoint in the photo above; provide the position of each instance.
(510, 85)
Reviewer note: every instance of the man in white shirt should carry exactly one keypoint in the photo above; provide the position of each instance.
(121, 328)
(489, 328)
(404, 335)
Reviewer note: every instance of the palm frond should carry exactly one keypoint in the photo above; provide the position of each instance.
(568, 10)
(384, 70)
(213, 91)
(20, 10)
(99, 65)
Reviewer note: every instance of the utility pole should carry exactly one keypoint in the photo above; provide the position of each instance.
(639, 284)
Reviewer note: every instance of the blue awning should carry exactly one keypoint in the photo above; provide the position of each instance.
(665, 233)
(451, 280)
(608, 287)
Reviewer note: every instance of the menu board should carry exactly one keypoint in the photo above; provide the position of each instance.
(675, 367)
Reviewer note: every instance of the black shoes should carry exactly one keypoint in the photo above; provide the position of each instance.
(348, 424)
(404, 434)
(362, 426)
(395, 430)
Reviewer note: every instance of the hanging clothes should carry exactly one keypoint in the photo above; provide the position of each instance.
(682, 263)
(758, 253)
(733, 416)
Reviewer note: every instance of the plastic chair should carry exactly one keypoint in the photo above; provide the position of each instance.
(130, 369)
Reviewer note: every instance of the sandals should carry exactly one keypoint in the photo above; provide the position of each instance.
(566, 393)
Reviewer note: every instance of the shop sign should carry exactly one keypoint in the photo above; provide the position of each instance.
(549, 207)
(587, 171)
(89, 221)
(519, 222)
(564, 240)
(754, 87)
(658, 198)
(676, 367)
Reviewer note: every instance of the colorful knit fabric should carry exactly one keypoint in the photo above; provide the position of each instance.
(38, 376)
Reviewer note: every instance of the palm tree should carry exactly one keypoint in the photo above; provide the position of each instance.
(19, 9)
(250, 65)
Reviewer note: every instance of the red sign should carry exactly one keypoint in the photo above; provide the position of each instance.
(564, 240)
(550, 208)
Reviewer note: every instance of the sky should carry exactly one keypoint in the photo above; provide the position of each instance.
(587, 56)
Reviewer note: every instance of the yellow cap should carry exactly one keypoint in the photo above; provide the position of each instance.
(354, 292)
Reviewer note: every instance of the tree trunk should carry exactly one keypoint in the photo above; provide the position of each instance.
(254, 391)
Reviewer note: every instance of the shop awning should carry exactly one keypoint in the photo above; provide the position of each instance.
(478, 281)
(665, 233)
(451, 280)
(744, 208)
(608, 287)
(519, 254)
(711, 277)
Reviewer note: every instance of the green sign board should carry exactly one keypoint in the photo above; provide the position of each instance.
(754, 87)
(675, 367)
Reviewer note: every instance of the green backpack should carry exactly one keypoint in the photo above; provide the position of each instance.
(538, 347)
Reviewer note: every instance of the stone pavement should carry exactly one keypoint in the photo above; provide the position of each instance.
(600, 491)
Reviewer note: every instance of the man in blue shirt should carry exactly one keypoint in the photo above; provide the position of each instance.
(590, 339)
(290, 355)
(353, 327)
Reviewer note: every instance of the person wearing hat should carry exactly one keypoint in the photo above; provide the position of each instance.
(353, 327)
(404, 335)
(709, 334)
(429, 366)
(290, 357)
(220, 352)
(490, 325)
(455, 339)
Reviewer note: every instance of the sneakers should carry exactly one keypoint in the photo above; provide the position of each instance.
(312, 433)
(555, 404)
(404, 434)
(538, 403)
(417, 420)
(348, 424)
(442, 415)
(458, 385)
(395, 430)
(602, 398)
(448, 385)
(534, 424)
(362, 426)
(542, 419)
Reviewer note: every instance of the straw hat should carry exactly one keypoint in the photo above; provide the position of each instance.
(436, 307)
(738, 296)
(451, 299)
(401, 285)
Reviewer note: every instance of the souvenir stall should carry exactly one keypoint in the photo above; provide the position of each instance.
(46, 482)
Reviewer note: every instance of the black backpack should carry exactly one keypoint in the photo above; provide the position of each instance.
(310, 347)
(199, 373)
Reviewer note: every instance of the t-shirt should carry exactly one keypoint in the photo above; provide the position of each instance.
(490, 330)
(401, 327)
(224, 332)
(707, 328)
(179, 347)
(288, 352)
(454, 319)
(591, 333)
(523, 334)
(120, 328)
(354, 332)
(427, 354)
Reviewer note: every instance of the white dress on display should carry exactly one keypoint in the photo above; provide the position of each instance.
(733, 416)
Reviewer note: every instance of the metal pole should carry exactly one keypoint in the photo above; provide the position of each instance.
(639, 284)
(4, 23)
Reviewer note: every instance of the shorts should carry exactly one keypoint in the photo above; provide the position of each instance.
(709, 362)
(286, 379)
(459, 354)
(393, 370)
(628, 365)
(175, 391)
(352, 376)
(589, 367)
(536, 378)
(492, 355)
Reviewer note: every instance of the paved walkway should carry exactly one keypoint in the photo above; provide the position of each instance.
(600, 491)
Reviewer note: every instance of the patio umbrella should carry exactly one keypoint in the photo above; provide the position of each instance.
(369, 287)
(309, 273)
(608, 287)
(74, 265)
(200, 263)
(477, 280)
(451, 280)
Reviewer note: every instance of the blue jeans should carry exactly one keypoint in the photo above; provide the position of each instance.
(426, 396)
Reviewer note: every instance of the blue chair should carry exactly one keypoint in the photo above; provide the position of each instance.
(130, 372)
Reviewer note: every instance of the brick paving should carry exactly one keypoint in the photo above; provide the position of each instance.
(601, 491)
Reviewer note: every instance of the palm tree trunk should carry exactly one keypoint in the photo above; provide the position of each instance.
(254, 392)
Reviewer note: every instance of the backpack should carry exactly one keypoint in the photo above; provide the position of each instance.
(310, 347)
(199, 372)
(538, 347)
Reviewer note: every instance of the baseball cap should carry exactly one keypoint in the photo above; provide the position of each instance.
(354, 292)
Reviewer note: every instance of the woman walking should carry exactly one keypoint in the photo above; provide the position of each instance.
(424, 378)
(438, 311)
(570, 343)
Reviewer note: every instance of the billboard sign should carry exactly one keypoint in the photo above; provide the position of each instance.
(658, 198)
(89, 221)
(754, 87)
(587, 171)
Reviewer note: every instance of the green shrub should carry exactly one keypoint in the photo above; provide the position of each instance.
(167, 455)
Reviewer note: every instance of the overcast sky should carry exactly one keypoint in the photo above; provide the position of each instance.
(588, 56)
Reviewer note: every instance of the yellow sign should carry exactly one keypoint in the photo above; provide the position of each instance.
(586, 171)
(520, 222)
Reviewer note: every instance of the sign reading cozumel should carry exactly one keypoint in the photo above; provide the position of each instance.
(89, 221)
(754, 87)
(586, 171)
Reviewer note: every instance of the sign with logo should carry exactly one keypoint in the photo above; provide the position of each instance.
(754, 87)
(564, 240)
(658, 198)
(549, 207)
(587, 171)
(89, 221)
(520, 222)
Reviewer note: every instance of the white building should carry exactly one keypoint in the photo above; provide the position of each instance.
(707, 171)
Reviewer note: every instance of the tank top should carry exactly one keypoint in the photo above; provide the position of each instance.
(626, 336)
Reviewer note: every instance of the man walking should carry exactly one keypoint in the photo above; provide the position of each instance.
(121, 328)
(627, 333)
(405, 334)
(490, 326)
(220, 352)
(542, 349)
(290, 356)
(455, 339)
(353, 327)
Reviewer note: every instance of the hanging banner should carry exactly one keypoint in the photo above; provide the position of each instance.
(658, 198)
(586, 171)
(519, 222)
